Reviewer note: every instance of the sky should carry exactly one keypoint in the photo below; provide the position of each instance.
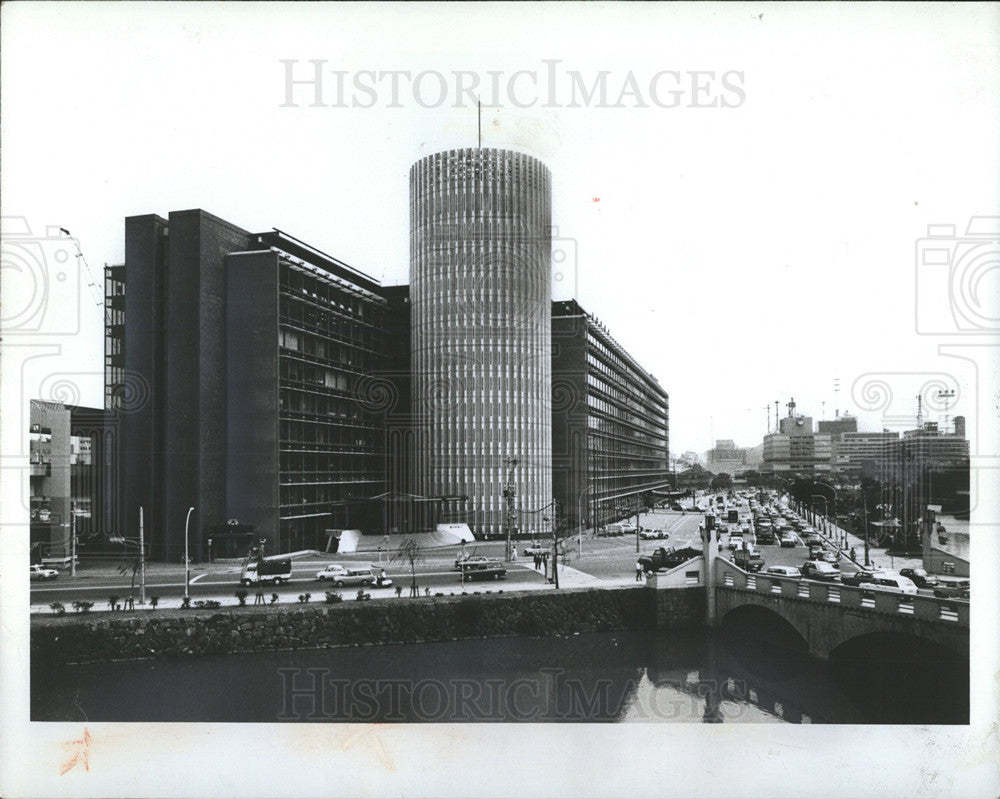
(743, 207)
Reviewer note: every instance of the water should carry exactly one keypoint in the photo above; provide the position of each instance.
(594, 677)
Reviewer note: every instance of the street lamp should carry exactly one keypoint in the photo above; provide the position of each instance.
(187, 559)
(826, 511)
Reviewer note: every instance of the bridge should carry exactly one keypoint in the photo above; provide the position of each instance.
(825, 615)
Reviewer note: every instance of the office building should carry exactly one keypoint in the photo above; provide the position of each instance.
(480, 251)
(610, 422)
(236, 374)
(67, 491)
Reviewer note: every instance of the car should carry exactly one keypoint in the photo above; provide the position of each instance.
(491, 570)
(783, 571)
(891, 582)
(330, 571)
(735, 541)
(820, 570)
(811, 538)
(470, 560)
(860, 577)
(39, 572)
(676, 506)
(357, 577)
(920, 578)
(788, 540)
(828, 556)
(953, 589)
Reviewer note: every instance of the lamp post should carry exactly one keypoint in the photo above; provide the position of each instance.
(187, 559)
(825, 511)
(843, 537)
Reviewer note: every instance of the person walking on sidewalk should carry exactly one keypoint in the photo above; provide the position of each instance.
(638, 572)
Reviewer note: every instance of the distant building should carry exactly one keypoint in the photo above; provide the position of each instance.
(839, 426)
(66, 486)
(863, 454)
(796, 449)
(726, 457)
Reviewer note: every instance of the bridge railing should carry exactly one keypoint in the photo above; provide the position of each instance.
(927, 608)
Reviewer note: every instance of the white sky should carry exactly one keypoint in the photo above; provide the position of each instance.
(742, 255)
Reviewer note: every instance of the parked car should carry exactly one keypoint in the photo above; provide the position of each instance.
(39, 572)
(735, 541)
(491, 570)
(920, 578)
(469, 560)
(331, 571)
(783, 571)
(788, 540)
(820, 570)
(360, 576)
(537, 549)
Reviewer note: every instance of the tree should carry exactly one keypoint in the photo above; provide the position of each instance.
(411, 552)
(722, 480)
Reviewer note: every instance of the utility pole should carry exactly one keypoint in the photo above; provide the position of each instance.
(72, 539)
(142, 561)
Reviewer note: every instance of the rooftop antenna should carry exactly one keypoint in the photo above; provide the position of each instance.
(777, 427)
(822, 408)
(768, 409)
(920, 411)
(836, 394)
(946, 394)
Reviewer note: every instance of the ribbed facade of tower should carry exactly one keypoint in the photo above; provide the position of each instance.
(480, 272)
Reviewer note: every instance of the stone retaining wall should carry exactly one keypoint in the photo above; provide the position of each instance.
(164, 633)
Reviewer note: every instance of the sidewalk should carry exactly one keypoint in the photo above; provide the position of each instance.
(568, 578)
(879, 556)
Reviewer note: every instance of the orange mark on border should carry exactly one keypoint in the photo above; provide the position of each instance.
(82, 753)
(596, 199)
(371, 740)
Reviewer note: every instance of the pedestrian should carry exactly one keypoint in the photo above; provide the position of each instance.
(638, 572)
(538, 561)
(513, 554)
(853, 557)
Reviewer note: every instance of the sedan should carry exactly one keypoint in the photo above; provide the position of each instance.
(783, 571)
(920, 578)
(859, 577)
(331, 572)
(788, 540)
(39, 572)
(472, 560)
(820, 570)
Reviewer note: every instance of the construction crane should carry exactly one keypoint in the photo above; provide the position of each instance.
(95, 288)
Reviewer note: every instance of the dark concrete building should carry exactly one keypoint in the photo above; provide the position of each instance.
(237, 371)
(610, 422)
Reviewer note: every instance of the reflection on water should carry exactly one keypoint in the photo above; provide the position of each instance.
(611, 677)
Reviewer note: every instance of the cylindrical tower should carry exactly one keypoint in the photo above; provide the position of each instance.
(480, 298)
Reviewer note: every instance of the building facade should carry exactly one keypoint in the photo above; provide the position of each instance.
(66, 484)
(610, 423)
(480, 275)
(237, 372)
(725, 457)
